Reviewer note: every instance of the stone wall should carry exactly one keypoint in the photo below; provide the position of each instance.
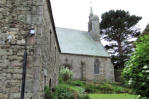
(106, 71)
(17, 17)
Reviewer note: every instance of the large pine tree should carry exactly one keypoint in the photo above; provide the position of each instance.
(118, 28)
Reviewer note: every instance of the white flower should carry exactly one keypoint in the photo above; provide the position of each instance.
(143, 71)
(145, 67)
(147, 71)
(139, 96)
(130, 81)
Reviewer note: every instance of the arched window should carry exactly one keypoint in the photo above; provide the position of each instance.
(96, 66)
(45, 78)
(50, 83)
(90, 26)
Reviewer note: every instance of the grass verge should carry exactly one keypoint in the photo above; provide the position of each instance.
(112, 96)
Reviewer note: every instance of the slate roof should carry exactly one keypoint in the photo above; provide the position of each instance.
(79, 42)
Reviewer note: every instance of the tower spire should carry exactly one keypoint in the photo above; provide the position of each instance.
(93, 25)
(91, 9)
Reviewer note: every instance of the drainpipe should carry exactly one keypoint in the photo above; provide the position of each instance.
(24, 71)
(30, 34)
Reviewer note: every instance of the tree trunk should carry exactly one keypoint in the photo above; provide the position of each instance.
(120, 52)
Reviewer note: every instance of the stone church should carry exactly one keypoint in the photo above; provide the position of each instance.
(29, 51)
(83, 52)
(30, 46)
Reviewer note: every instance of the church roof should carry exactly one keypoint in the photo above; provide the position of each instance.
(79, 42)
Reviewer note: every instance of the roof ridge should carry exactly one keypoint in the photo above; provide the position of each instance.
(72, 29)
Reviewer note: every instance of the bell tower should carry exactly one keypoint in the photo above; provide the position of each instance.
(93, 26)
(90, 23)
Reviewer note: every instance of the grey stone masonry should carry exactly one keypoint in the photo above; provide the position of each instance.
(17, 17)
(83, 67)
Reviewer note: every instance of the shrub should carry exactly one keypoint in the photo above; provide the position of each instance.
(105, 88)
(48, 93)
(96, 87)
(65, 74)
(76, 83)
(136, 72)
(64, 92)
(90, 88)
(61, 92)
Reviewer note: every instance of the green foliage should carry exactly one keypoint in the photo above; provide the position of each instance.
(90, 89)
(80, 89)
(66, 91)
(112, 88)
(106, 88)
(63, 92)
(95, 87)
(77, 89)
(77, 83)
(48, 93)
(65, 74)
(136, 72)
(117, 27)
(146, 31)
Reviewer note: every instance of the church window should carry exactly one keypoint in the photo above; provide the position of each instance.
(45, 80)
(50, 83)
(96, 66)
(91, 26)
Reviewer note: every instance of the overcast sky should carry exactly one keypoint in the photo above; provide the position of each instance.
(74, 13)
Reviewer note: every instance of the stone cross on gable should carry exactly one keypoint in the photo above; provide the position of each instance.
(91, 3)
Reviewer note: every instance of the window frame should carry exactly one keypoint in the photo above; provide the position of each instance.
(96, 67)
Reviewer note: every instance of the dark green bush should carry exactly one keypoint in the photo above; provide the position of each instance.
(76, 83)
(90, 88)
(105, 88)
(48, 93)
(63, 92)
(136, 72)
(71, 89)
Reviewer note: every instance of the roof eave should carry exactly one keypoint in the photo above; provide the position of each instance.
(84, 55)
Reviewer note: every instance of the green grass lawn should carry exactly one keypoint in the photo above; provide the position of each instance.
(112, 96)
